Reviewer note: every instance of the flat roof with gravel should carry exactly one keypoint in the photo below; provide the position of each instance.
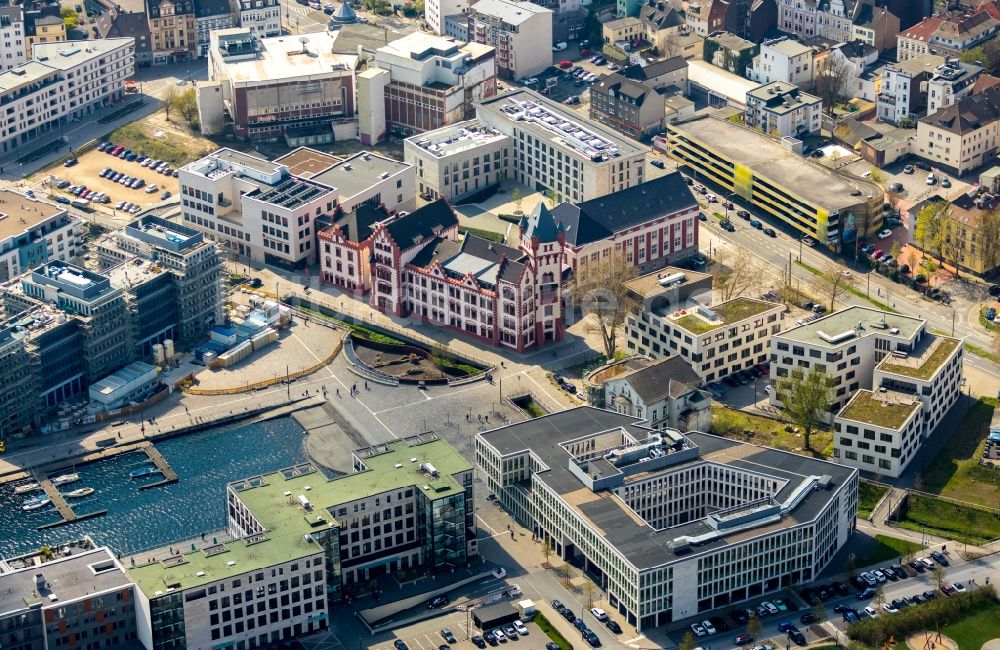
(852, 323)
(891, 411)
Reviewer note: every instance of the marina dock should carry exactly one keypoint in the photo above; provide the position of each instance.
(65, 511)
(169, 475)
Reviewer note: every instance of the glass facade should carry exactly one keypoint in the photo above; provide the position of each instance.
(442, 528)
(167, 615)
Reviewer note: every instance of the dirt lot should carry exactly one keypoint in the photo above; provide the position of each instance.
(87, 171)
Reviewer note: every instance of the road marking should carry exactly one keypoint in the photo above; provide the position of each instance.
(487, 526)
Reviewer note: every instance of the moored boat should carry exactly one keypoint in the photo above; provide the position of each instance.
(65, 479)
(142, 471)
(35, 503)
(79, 493)
(27, 487)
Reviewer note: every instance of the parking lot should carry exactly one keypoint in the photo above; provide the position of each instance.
(87, 172)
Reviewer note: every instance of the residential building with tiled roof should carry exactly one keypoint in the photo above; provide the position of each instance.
(626, 106)
(962, 136)
(949, 34)
(210, 15)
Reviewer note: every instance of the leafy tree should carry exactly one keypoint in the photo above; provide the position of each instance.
(930, 229)
(546, 550)
(806, 396)
(896, 250)
(939, 575)
(517, 197)
(687, 643)
(876, 176)
(737, 274)
(754, 627)
(186, 104)
(833, 75)
(833, 281)
(169, 98)
(989, 239)
(819, 611)
(976, 54)
(551, 196)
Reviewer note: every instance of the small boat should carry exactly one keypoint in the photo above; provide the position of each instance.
(34, 504)
(65, 479)
(79, 493)
(142, 471)
(27, 487)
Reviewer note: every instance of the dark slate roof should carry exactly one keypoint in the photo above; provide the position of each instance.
(600, 218)
(969, 114)
(422, 224)
(622, 86)
(670, 377)
(360, 224)
(653, 70)
(510, 260)
(660, 15)
(203, 8)
(181, 7)
(126, 25)
(503, 263)
(541, 224)
(857, 49)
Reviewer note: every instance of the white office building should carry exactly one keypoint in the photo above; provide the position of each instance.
(367, 178)
(717, 340)
(557, 149)
(671, 525)
(254, 207)
(456, 161)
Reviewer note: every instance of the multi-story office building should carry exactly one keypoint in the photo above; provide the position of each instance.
(952, 81)
(407, 505)
(641, 228)
(671, 525)
(830, 207)
(717, 340)
(189, 297)
(367, 178)
(295, 89)
(963, 136)
(459, 160)
(64, 82)
(781, 109)
(901, 95)
(434, 82)
(172, 25)
(847, 346)
(254, 207)
(209, 16)
(785, 60)
(261, 17)
(555, 149)
(12, 50)
(521, 32)
(627, 106)
(879, 431)
(33, 232)
(79, 597)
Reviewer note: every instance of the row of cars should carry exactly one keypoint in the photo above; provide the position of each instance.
(119, 151)
(131, 182)
(588, 635)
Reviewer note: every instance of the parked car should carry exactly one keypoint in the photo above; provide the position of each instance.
(613, 626)
(885, 233)
(164, 196)
(709, 628)
(699, 630)
(941, 558)
(770, 232)
(480, 642)
(945, 182)
(870, 612)
(658, 164)
(756, 224)
(930, 179)
(743, 214)
(908, 169)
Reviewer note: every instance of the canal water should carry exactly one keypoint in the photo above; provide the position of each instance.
(138, 520)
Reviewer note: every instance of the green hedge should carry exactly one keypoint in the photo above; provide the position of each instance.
(927, 616)
(488, 235)
(551, 632)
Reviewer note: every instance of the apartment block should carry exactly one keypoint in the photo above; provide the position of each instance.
(555, 149)
(439, 13)
(627, 106)
(459, 160)
(965, 217)
(951, 82)
(785, 60)
(172, 26)
(253, 78)
(209, 16)
(434, 82)
(829, 207)
(949, 33)
(718, 340)
(902, 94)
(12, 37)
(77, 597)
(847, 345)
(261, 17)
(521, 32)
(64, 83)
(781, 109)
(33, 232)
(963, 136)
(671, 525)
(253, 207)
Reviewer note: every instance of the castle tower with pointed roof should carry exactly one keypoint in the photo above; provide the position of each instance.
(543, 240)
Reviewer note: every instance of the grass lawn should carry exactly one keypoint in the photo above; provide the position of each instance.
(947, 519)
(765, 431)
(869, 495)
(973, 631)
(551, 632)
(955, 472)
(136, 138)
(888, 548)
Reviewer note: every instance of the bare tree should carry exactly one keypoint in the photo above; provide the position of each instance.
(833, 77)
(737, 274)
(605, 297)
(169, 97)
(833, 281)
(671, 47)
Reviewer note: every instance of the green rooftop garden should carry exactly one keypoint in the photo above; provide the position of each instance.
(865, 407)
(931, 363)
(732, 311)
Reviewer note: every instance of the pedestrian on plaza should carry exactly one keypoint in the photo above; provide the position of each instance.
(366, 384)
(338, 392)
